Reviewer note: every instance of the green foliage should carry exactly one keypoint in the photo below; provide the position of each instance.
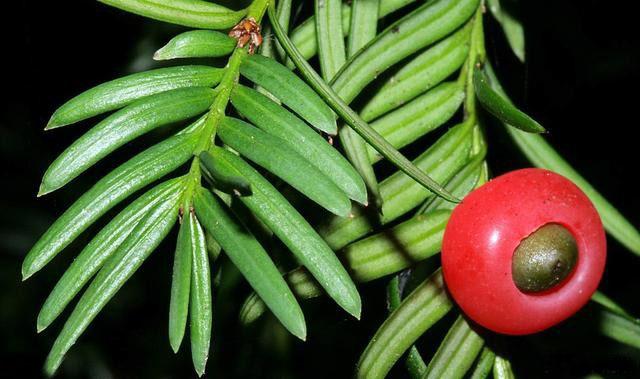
(484, 365)
(221, 180)
(512, 27)
(139, 118)
(623, 329)
(290, 90)
(354, 120)
(122, 182)
(275, 120)
(276, 156)
(374, 257)
(418, 117)
(127, 258)
(500, 107)
(252, 261)
(426, 305)
(200, 310)
(331, 48)
(295, 232)
(456, 353)
(99, 250)
(332, 54)
(615, 322)
(414, 362)
(196, 44)
(418, 76)
(419, 29)
(118, 93)
(502, 368)
(413, 241)
(180, 285)
(364, 24)
(423, 72)
(192, 13)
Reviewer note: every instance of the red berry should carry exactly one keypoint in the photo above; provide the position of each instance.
(486, 229)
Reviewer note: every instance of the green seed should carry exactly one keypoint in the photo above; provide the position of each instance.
(544, 258)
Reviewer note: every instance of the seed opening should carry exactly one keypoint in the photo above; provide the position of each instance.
(544, 259)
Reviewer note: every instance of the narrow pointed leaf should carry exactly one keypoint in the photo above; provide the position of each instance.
(291, 90)
(500, 107)
(414, 362)
(332, 54)
(470, 177)
(131, 176)
(615, 322)
(355, 149)
(421, 236)
(100, 249)
(294, 231)
(484, 365)
(122, 127)
(275, 155)
(474, 174)
(304, 36)
(193, 13)
(200, 309)
(372, 258)
(331, 49)
(251, 259)
(443, 160)
(502, 368)
(400, 193)
(420, 28)
(364, 23)
(422, 73)
(542, 154)
(605, 301)
(196, 44)
(397, 248)
(300, 281)
(456, 353)
(427, 304)
(144, 239)
(623, 329)
(270, 47)
(121, 92)
(352, 118)
(230, 184)
(277, 121)
(419, 117)
(364, 20)
(180, 285)
(352, 81)
(285, 13)
(477, 57)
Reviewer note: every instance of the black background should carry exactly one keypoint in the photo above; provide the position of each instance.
(580, 81)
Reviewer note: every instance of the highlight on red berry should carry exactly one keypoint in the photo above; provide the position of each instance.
(523, 252)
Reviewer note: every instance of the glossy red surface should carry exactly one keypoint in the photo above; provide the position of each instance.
(485, 229)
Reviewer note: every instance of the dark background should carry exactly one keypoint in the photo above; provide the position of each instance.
(580, 82)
